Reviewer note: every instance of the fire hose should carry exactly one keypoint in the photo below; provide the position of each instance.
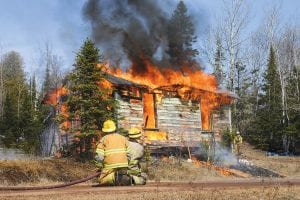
(53, 186)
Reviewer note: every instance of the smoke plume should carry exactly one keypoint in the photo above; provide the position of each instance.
(129, 29)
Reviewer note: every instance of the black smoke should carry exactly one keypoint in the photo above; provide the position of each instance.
(132, 29)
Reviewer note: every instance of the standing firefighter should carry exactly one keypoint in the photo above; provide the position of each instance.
(136, 153)
(237, 141)
(112, 154)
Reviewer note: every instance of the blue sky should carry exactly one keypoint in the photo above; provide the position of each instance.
(27, 25)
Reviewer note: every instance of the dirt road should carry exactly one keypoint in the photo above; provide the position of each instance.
(151, 187)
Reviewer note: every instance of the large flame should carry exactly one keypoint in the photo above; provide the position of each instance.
(53, 96)
(188, 83)
(155, 77)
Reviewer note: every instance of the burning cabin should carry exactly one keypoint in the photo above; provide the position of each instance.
(171, 115)
(173, 108)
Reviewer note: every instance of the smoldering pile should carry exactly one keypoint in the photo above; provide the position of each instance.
(249, 168)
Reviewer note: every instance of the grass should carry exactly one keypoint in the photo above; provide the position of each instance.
(45, 172)
(172, 170)
(285, 165)
(270, 193)
(15, 172)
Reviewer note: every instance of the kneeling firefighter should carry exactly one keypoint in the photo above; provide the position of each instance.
(112, 155)
(136, 154)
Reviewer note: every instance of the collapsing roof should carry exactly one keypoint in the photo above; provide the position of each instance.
(117, 81)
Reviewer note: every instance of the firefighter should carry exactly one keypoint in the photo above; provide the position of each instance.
(112, 156)
(237, 141)
(136, 153)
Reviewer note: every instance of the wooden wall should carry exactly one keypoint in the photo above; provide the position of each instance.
(181, 119)
(221, 119)
(130, 112)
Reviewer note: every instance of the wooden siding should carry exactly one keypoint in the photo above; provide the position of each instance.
(180, 119)
(130, 112)
(221, 119)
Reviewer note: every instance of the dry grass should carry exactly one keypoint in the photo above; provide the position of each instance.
(285, 165)
(272, 193)
(46, 172)
(172, 170)
(16, 172)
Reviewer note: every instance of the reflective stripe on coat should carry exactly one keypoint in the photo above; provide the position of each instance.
(114, 150)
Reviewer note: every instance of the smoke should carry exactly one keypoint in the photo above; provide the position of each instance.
(14, 154)
(223, 155)
(218, 153)
(129, 29)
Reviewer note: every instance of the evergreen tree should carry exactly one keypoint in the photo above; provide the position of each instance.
(31, 120)
(20, 125)
(291, 132)
(9, 125)
(181, 36)
(47, 82)
(15, 86)
(88, 102)
(33, 93)
(218, 65)
(241, 108)
(268, 123)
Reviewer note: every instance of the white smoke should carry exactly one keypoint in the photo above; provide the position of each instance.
(224, 156)
(217, 153)
(14, 154)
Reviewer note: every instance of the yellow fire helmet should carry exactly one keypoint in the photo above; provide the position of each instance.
(109, 126)
(134, 133)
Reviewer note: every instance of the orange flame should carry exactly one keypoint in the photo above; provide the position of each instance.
(155, 135)
(189, 84)
(149, 113)
(209, 165)
(52, 97)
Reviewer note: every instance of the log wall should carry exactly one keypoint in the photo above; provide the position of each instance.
(221, 119)
(180, 119)
(130, 112)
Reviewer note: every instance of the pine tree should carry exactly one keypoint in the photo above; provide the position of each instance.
(33, 93)
(9, 125)
(181, 36)
(15, 86)
(291, 133)
(218, 65)
(87, 101)
(47, 82)
(269, 119)
(31, 120)
(241, 108)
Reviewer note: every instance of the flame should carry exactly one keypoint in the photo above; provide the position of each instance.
(155, 135)
(154, 77)
(209, 165)
(189, 84)
(66, 124)
(149, 113)
(52, 97)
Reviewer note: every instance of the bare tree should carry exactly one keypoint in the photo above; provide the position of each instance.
(234, 22)
(2, 93)
(52, 64)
